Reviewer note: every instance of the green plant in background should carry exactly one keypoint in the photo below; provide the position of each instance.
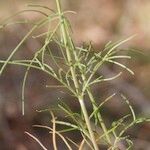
(75, 68)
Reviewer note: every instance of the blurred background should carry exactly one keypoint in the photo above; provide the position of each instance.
(98, 21)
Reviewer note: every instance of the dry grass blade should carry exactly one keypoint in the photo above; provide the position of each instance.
(60, 135)
(82, 144)
(33, 137)
(54, 131)
(75, 144)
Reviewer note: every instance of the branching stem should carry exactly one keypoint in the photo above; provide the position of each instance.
(75, 81)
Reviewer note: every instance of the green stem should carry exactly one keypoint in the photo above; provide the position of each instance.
(84, 110)
(73, 73)
(100, 119)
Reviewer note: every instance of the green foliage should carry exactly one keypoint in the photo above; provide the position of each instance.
(75, 69)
